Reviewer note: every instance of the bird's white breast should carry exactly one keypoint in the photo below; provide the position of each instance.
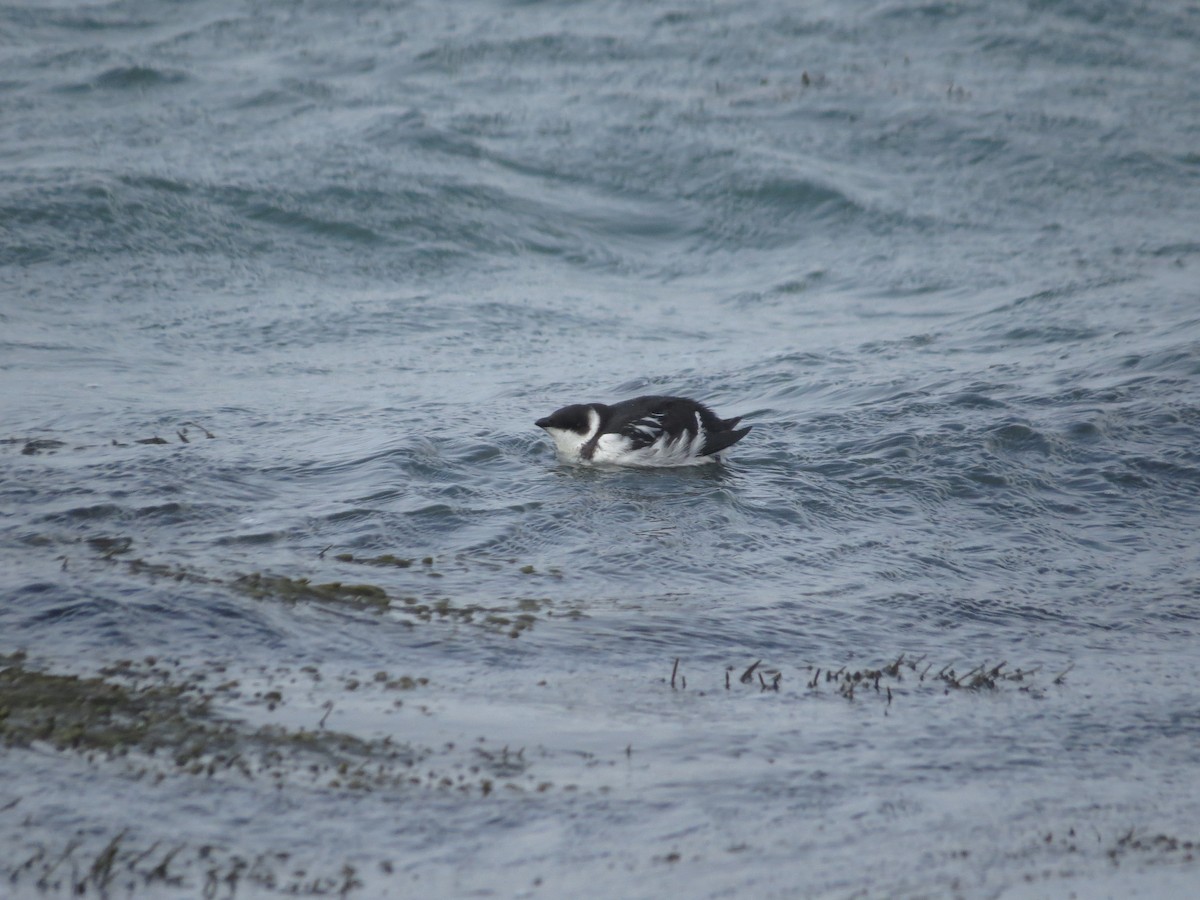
(682, 451)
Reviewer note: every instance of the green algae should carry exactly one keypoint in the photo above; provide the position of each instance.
(159, 721)
(290, 589)
(71, 712)
(387, 559)
(150, 718)
(132, 866)
(282, 587)
(171, 727)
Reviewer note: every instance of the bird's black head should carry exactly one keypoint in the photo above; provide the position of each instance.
(569, 418)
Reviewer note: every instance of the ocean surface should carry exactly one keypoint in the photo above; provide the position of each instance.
(284, 286)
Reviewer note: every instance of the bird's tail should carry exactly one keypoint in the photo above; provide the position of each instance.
(722, 439)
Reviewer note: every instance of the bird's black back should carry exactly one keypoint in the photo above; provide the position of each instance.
(673, 416)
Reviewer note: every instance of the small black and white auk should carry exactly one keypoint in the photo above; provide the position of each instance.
(645, 431)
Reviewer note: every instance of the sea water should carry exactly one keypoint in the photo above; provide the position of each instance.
(284, 286)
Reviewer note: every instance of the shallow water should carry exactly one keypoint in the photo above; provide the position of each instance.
(942, 257)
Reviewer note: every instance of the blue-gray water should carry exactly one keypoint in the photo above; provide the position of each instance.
(945, 258)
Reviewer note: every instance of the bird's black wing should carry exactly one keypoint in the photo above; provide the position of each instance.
(644, 420)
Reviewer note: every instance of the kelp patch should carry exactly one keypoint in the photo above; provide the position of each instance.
(150, 721)
(168, 727)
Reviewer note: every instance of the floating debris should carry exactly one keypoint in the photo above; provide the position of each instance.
(386, 559)
(123, 867)
(748, 675)
(850, 683)
(110, 547)
(39, 446)
(293, 589)
(183, 430)
(981, 677)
